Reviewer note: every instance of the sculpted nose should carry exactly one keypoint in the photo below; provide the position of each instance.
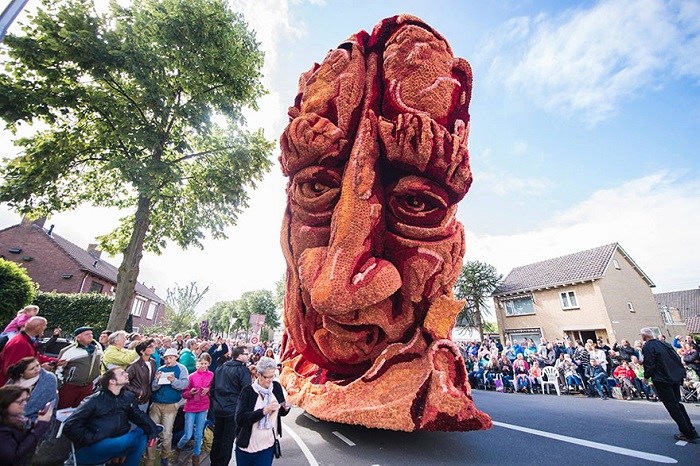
(349, 274)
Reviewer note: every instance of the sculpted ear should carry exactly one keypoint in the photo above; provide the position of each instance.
(461, 71)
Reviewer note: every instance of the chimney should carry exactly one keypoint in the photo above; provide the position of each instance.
(93, 251)
(28, 221)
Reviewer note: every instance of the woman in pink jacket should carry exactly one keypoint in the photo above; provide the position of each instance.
(196, 407)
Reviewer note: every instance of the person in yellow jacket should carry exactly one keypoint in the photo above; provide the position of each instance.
(115, 355)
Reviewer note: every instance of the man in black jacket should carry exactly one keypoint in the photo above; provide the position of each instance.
(99, 427)
(664, 367)
(229, 379)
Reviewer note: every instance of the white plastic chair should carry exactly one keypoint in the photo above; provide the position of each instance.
(552, 379)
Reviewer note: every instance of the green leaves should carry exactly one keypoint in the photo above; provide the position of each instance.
(180, 313)
(128, 99)
(475, 284)
(16, 290)
(70, 311)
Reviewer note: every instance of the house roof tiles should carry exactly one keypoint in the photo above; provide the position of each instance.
(693, 325)
(686, 301)
(96, 266)
(578, 267)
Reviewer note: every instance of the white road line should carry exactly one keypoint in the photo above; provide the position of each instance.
(589, 444)
(311, 417)
(304, 449)
(344, 438)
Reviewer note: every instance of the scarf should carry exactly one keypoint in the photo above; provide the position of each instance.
(267, 396)
(28, 383)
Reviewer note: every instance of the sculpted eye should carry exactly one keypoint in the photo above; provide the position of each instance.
(314, 193)
(315, 188)
(418, 208)
(416, 204)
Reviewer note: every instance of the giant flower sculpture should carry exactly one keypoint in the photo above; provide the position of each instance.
(376, 155)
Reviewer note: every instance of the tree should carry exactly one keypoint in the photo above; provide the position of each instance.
(16, 289)
(280, 291)
(143, 112)
(257, 302)
(475, 284)
(180, 309)
(219, 316)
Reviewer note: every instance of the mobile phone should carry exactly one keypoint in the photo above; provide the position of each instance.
(45, 408)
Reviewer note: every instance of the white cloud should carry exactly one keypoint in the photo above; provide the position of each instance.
(654, 219)
(587, 61)
(502, 183)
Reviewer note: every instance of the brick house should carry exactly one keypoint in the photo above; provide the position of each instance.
(56, 264)
(680, 310)
(600, 292)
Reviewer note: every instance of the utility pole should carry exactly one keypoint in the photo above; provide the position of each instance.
(7, 17)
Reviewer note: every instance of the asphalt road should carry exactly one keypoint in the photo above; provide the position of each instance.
(528, 430)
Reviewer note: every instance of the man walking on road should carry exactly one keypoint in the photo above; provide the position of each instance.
(664, 367)
(229, 379)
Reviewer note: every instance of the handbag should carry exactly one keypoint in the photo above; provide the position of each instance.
(499, 385)
(276, 446)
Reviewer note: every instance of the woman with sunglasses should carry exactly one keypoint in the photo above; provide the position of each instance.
(19, 436)
(258, 412)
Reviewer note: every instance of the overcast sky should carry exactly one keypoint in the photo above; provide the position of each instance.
(585, 131)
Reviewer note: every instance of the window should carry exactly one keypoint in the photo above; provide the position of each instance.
(616, 264)
(630, 307)
(137, 308)
(519, 306)
(95, 287)
(568, 300)
(151, 310)
(657, 331)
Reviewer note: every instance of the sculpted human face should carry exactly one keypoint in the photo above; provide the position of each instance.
(376, 157)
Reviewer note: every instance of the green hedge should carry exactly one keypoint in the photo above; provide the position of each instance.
(16, 290)
(70, 311)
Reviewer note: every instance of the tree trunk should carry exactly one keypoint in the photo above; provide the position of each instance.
(480, 324)
(129, 269)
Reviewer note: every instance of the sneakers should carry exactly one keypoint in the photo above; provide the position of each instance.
(686, 439)
(603, 397)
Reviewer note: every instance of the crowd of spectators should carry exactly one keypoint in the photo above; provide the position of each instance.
(160, 385)
(593, 368)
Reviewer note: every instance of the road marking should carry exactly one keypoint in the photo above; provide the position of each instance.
(311, 417)
(304, 449)
(344, 438)
(589, 444)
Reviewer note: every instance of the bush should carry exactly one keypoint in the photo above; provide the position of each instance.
(70, 311)
(16, 290)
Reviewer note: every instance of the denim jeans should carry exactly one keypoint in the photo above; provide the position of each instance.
(259, 458)
(194, 422)
(132, 445)
(598, 378)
